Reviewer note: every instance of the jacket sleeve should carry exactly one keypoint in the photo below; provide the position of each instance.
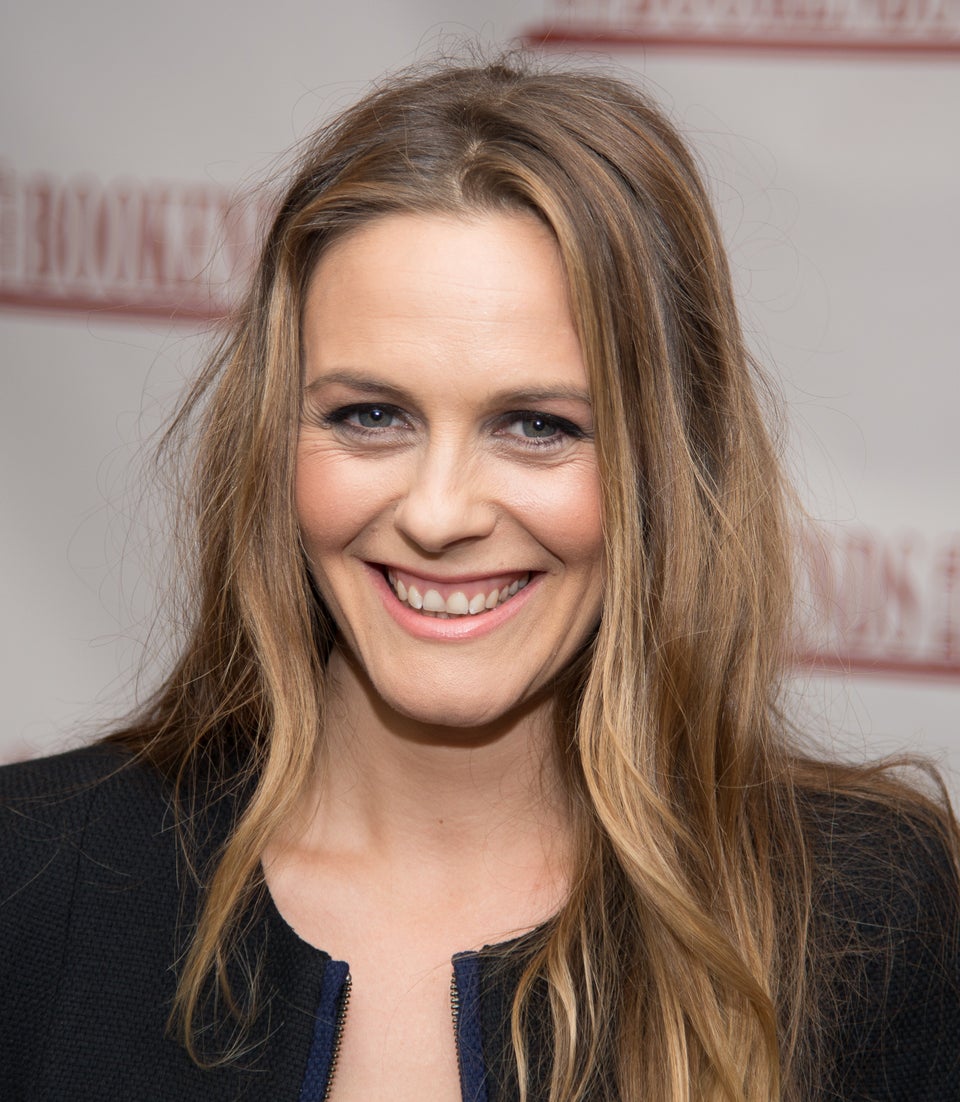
(44, 807)
(889, 921)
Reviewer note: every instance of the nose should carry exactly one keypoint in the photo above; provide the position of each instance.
(445, 501)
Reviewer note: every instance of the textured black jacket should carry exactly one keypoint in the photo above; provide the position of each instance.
(95, 907)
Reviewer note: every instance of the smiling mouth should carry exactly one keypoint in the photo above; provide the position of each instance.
(447, 601)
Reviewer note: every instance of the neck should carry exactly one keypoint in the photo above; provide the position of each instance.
(399, 788)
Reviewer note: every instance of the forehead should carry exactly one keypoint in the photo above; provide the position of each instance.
(482, 291)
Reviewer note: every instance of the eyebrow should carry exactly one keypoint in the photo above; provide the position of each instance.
(356, 381)
(521, 396)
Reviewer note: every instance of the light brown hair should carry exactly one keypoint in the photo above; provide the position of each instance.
(682, 967)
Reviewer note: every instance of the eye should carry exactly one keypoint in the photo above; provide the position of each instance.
(533, 429)
(364, 417)
(536, 426)
(373, 417)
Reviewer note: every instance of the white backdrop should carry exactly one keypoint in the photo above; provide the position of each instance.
(835, 174)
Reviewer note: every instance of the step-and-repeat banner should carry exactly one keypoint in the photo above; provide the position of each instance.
(137, 148)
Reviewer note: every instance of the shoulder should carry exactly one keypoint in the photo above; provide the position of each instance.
(105, 815)
(879, 866)
(91, 816)
(56, 800)
(88, 864)
(886, 923)
(71, 776)
(98, 898)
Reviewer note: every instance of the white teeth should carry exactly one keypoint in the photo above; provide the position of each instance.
(457, 604)
(431, 603)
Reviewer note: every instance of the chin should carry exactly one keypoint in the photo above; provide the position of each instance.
(454, 710)
(458, 715)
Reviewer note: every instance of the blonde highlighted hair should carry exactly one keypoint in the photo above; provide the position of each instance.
(681, 967)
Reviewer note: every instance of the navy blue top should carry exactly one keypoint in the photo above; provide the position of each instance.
(334, 1005)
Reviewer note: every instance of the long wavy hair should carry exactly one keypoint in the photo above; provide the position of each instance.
(681, 966)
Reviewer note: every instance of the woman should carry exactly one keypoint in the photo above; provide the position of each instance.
(491, 596)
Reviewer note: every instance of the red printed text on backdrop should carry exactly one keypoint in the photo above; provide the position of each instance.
(877, 603)
(884, 26)
(129, 248)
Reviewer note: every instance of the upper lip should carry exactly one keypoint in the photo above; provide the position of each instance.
(453, 579)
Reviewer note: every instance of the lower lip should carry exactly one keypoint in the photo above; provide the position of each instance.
(457, 627)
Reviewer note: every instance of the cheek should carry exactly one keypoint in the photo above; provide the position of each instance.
(333, 500)
(565, 514)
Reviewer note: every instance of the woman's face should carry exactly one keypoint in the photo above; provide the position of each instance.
(447, 487)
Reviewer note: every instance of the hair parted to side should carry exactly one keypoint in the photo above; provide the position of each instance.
(680, 968)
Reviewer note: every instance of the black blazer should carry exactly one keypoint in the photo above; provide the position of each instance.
(95, 907)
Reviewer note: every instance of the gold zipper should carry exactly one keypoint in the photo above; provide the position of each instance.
(455, 1012)
(342, 1016)
(338, 1035)
(454, 1002)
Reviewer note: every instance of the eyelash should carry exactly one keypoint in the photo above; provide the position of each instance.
(564, 429)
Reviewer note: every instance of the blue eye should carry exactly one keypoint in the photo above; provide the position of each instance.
(373, 417)
(537, 427)
(364, 417)
(540, 430)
